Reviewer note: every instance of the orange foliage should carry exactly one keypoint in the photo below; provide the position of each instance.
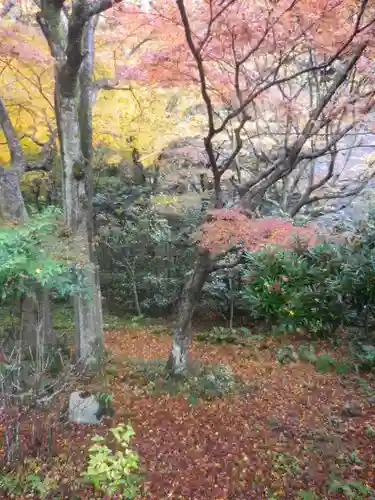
(225, 33)
(224, 228)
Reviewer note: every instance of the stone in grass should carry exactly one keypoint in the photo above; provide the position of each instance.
(351, 409)
(83, 408)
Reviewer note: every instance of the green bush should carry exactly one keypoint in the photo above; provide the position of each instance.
(311, 291)
(364, 357)
(32, 253)
(142, 258)
(112, 472)
(293, 292)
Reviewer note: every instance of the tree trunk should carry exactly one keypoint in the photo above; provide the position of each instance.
(37, 334)
(75, 200)
(181, 339)
(70, 36)
(86, 102)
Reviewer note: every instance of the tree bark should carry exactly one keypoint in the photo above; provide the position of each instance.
(181, 337)
(37, 334)
(75, 199)
(86, 102)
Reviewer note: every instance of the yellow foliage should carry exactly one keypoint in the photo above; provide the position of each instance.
(143, 113)
(165, 200)
(27, 91)
(153, 117)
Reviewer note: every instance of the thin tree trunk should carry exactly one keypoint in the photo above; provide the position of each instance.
(231, 303)
(37, 333)
(181, 339)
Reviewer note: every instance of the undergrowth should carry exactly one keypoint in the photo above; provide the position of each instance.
(205, 382)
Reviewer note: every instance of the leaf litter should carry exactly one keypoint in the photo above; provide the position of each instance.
(287, 436)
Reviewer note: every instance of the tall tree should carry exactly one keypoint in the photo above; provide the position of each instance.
(68, 36)
(221, 241)
(287, 79)
(252, 62)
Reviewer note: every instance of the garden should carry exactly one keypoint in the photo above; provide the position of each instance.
(187, 249)
(277, 401)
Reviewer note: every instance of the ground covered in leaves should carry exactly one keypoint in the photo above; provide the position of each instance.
(287, 431)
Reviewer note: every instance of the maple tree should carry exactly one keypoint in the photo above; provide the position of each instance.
(26, 79)
(222, 239)
(285, 80)
(153, 116)
(258, 65)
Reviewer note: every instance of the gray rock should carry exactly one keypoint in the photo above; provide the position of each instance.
(83, 408)
(351, 409)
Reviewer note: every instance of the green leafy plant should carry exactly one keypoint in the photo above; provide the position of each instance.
(354, 457)
(364, 357)
(324, 363)
(307, 353)
(286, 463)
(351, 489)
(114, 472)
(205, 382)
(369, 431)
(307, 495)
(24, 483)
(289, 290)
(223, 335)
(313, 291)
(105, 405)
(36, 252)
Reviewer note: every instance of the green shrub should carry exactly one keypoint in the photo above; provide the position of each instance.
(114, 472)
(369, 431)
(324, 363)
(142, 260)
(24, 483)
(307, 353)
(32, 254)
(351, 489)
(293, 292)
(364, 357)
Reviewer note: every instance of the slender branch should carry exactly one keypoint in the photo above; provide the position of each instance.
(285, 163)
(203, 82)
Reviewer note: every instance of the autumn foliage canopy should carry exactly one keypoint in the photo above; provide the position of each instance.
(225, 228)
